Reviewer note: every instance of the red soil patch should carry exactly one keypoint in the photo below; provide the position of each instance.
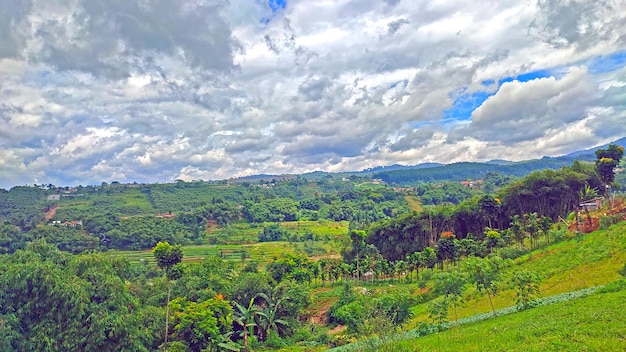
(319, 313)
(50, 213)
(338, 329)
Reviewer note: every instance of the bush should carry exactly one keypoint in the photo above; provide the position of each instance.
(426, 276)
(559, 235)
(512, 252)
(605, 222)
(274, 340)
(615, 286)
(526, 285)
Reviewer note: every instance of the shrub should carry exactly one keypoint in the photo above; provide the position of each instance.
(274, 340)
(526, 284)
(605, 222)
(512, 252)
(426, 276)
(615, 286)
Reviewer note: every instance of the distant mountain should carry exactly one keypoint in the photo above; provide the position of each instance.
(499, 162)
(476, 171)
(591, 151)
(397, 167)
(427, 172)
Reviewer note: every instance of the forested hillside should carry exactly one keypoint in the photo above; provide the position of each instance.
(296, 263)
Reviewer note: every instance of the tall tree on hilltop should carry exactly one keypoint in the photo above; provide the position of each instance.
(606, 162)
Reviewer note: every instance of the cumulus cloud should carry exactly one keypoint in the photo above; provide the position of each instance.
(94, 91)
(528, 110)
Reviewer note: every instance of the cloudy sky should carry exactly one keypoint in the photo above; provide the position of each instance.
(159, 90)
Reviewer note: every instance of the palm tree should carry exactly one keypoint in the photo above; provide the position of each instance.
(245, 317)
(517, 228)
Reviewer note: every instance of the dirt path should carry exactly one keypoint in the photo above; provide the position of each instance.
(50, 213)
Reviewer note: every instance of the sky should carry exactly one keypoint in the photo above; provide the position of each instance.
(153, 91)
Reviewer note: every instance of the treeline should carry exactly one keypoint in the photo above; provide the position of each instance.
(547, 193)
(467, 170)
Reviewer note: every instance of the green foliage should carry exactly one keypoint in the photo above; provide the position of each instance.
(451, 285)
(203, 325)
(290, 266)
(447, 248)
(66, 238)
(145, 232)
(12, 238)
(526, 286)
(493, 239)
(443, 193)
(167, 255)
(606, 162)
(370, 312)
(438, 310)
(486, 274)
(23, 206)
(48, 295)
(271, 233)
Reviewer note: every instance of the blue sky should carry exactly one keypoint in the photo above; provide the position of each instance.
(464, 105)
(243, 87)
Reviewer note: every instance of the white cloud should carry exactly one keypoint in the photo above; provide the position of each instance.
(94, 91)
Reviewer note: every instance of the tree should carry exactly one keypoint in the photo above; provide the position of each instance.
(446, 248)
(168, 257)
(452, 286)
(486, 275)
(205, 325)
(526, 284)
(493, 239)
(517, 228)
(544, 224)
(531, 226)
(490, 207)
(270, 313)
(606, 162)
(53, 301)
(358, 246)
(430, 257)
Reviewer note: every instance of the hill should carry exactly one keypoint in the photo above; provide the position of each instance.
(474, 171)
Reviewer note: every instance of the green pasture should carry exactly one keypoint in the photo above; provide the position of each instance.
(593, 323)
(317, 228)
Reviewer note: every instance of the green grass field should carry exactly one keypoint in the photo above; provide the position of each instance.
(130, 202)
(593, 323)
(259, 252)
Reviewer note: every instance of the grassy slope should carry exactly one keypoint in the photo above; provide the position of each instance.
(594, 323)
(577, 263)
